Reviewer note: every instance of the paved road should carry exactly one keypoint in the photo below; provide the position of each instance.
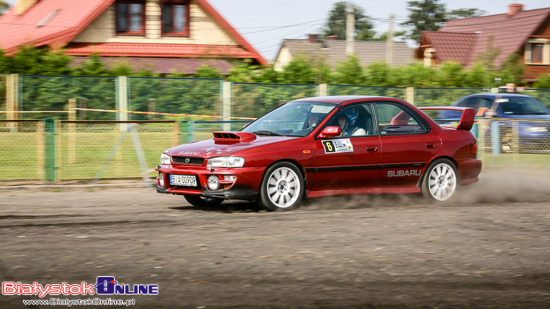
(491, 251)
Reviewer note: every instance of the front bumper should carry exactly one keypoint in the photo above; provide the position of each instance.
(246, 187)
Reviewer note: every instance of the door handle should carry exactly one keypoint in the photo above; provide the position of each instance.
(430, 146)
(372, 148)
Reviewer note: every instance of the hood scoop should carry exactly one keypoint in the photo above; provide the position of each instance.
(233, 137)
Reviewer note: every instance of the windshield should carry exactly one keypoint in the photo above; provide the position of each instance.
(291, 119)
(523, 106)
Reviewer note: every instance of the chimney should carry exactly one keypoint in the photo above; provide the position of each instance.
(332, 37)
(313, 38)
(22, 5)
(515, 8)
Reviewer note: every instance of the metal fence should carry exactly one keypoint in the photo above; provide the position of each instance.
(505, 143)
(443, 96)
(21, 150)
(47, 150)
(174, 95)
(254, 100)
(396, 92)
(51, 93)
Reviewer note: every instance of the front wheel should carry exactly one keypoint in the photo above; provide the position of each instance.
(282, 187)
(440, 180)
(200, 201)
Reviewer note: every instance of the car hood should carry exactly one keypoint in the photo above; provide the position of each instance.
(211, 148)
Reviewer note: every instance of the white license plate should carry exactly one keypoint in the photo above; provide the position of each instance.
(183, 180)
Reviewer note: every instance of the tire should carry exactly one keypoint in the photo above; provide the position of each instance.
(440, 180)
(282, 187)
(201, 201)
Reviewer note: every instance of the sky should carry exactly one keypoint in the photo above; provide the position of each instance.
(265, 23)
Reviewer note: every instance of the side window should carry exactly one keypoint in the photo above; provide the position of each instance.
(394, 119)
(484, 105)
(355, 120)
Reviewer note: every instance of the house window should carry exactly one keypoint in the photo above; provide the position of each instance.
(175, 18)
(536, 52)
(130, 17)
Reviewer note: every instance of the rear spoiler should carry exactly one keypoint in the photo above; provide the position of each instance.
(466, 121)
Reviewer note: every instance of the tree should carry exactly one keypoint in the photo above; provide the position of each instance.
(426, 15)
(350, 72)
(336, 24)
(465, 13)
(384, 36)
(4, 6)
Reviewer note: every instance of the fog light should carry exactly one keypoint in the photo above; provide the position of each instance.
(213, 182)
(231, 178)
(161, 179)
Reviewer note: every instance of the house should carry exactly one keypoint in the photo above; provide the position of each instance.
(333, 51)
(525, 32)
(165, 36)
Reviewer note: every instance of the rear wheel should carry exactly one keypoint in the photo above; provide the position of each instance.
(201, 201)
(440, 180)
(282, 187)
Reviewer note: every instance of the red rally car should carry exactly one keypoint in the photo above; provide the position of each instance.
(326, 146)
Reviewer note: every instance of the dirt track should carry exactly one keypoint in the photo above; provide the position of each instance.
(387, 252)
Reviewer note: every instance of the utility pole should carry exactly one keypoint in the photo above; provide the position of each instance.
(389, 42)
(350, 30)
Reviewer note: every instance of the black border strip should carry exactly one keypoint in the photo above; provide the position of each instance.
(363, 167)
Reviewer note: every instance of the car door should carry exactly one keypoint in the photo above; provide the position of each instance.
(408, 144)
(349, 162)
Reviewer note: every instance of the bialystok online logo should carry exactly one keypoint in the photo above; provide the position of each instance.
(105, 285)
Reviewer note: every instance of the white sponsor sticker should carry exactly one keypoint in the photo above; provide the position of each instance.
(338, 145)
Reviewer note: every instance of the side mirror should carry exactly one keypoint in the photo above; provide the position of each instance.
(330, 132)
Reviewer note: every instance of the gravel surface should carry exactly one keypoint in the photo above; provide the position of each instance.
(359, 252)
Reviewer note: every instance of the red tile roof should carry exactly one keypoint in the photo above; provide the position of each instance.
(160, 50)
(451, 46)
(509, 33)
(75, 15)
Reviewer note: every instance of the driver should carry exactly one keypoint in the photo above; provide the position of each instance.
(348, 123)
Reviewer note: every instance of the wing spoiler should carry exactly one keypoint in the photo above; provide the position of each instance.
(466, 121)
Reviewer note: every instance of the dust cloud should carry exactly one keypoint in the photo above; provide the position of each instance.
(494, 186)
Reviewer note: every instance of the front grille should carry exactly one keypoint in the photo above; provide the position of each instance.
(191, 160)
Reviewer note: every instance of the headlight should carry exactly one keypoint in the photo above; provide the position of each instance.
(213, 182)
(164, 159)
(225, 162)
(536, 129)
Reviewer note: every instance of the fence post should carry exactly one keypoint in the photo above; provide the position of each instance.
(183, 127)
(82, 104)
(495, 137)
(40, 151)
(190, 131)
(515, 145)
(122, 102)
(152, 109)
(409, 95)
(59, 150)
(494, 90)
(226, 101)
(49, 149)
(12, 103)
(71, 145)
(481, 129)
(323, 90)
